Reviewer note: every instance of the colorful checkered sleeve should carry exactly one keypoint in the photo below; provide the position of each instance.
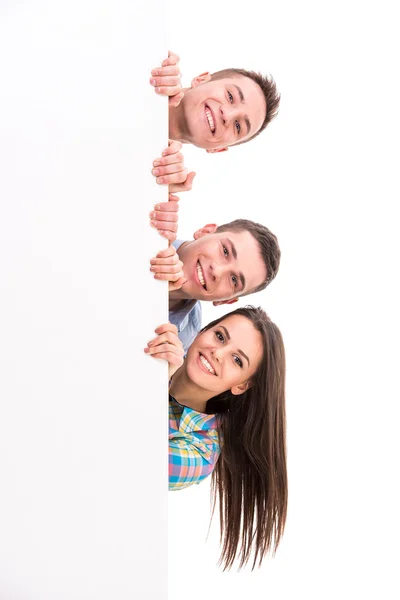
(193, 446)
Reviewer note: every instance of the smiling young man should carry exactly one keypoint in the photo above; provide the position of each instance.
(219, 110)
(219, 265)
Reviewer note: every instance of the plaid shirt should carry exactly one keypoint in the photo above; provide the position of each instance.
(193, 445)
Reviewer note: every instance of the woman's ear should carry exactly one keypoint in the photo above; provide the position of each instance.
(241, 388)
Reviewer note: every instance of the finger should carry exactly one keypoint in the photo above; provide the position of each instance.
(177, 167)
(164, 226)
(168, 81)
(173, 147)
(159, 215)
(168, 235)
(177, 284)
(166, 327)
(170, 90)
(175, 351)
(166, 253)
(176, 100)
(173, 270)
(170, 358)
(168, 276)
(170, 207)
(186, 186)
(170, 159)
(166, 71)
(167, 336)
(172, 198)
(167, 261)
(172, 59)
(172, 350)
(179, 177)
(165, 347)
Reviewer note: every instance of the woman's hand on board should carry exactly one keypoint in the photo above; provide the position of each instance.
(167, 346)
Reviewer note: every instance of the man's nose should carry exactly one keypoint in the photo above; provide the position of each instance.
(228, 113)
(216, 271)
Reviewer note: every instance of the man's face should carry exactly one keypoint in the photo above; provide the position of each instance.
(223, 112)
(221, 266)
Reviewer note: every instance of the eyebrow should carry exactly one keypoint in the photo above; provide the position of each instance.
(246, 118)
(229, 337)
(234, 254)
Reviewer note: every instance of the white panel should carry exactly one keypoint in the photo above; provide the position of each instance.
(83, 470)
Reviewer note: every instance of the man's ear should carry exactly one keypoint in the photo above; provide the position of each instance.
(241, 388)
(219, 302)
(213, 150)
(203, 78)
(210, 228)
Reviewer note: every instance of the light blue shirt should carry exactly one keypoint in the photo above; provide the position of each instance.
(188, 317)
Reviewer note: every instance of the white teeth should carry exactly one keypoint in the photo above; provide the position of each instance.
(210, 119)
(206, 364)
(200, 275)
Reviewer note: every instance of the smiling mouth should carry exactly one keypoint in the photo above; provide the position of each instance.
(206, 364)
(200, 275)
(210, 119)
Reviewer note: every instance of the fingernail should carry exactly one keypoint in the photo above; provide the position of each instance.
(152, 215)
(156, 163)
(153, 81)
(147, 350)
(152, 268)
(156, 171)
(154, 72)
(160, 180)
(153, 223)
(165, 152)
(157, 207)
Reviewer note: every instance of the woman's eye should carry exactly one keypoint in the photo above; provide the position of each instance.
(234, 280)
(225, 250)
(219, 336)
(230, 97)
(238, 361)
(237, 125)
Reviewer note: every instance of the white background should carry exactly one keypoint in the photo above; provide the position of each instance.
(324, 178)
(83, 412)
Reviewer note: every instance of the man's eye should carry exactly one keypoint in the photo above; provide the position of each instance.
(230, 97)
(234, 280)
(219, 336)
(238, 361)
(225, 250)
(237, 125)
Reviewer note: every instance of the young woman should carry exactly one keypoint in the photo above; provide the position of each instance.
(227, 417)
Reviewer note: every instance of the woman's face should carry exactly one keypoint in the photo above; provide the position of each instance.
(225, 357)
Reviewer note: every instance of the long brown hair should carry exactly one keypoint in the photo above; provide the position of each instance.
(250, 477)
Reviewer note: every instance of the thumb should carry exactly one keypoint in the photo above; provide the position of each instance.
(175, 100)
(189, 181)
(172, 198)
(176, 285)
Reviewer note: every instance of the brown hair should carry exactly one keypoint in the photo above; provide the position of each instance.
(268, 244)
(268, 88)
(250, 476)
